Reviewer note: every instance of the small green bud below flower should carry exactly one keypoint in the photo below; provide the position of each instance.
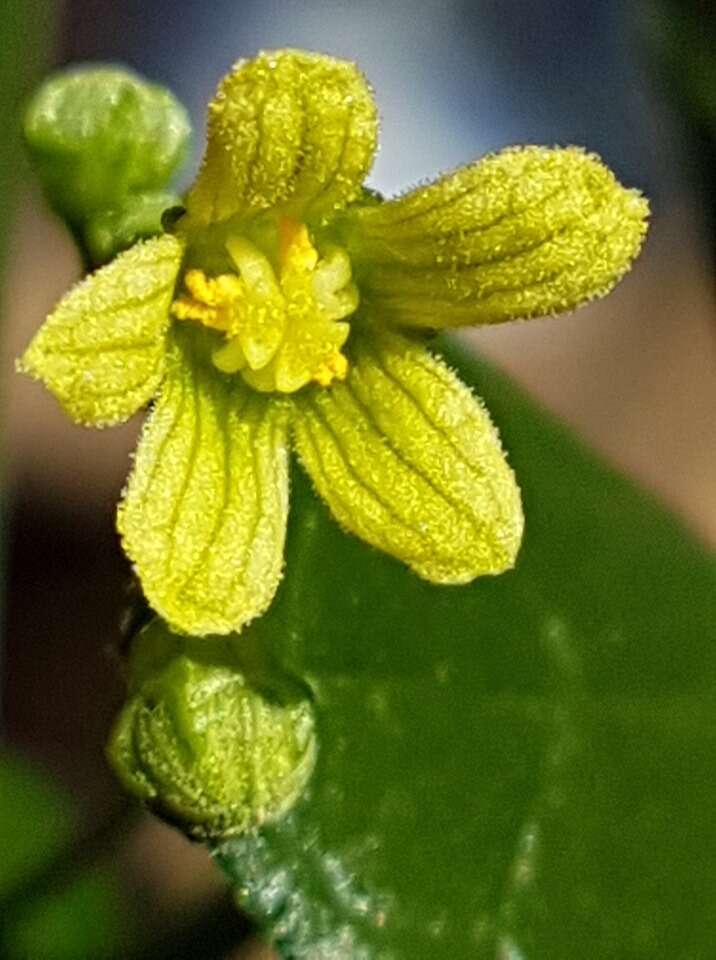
(203, 747)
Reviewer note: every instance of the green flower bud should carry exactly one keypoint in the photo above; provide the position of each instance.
(140, 216)
(210, 744)
(98, 135)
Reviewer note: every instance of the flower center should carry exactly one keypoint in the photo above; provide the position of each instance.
(281, 327)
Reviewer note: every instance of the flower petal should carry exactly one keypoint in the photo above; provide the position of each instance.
(102, 350)
(408, 459)
(288, 128)
(204, 513)
(522, 233)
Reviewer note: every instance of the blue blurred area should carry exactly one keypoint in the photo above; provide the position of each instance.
(454, 78)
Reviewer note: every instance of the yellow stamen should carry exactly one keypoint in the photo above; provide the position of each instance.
(334, 368)
(211, 300)
(281, 333)
(295, 248)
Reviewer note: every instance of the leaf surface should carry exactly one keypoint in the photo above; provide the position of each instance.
(80, 916)
(522, 767)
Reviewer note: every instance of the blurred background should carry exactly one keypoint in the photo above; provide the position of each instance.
(634, 375)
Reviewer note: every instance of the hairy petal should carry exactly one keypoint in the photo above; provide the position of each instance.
(407, 459)
(102, 350)
(291, 129)
(204, 514)
(526, 232)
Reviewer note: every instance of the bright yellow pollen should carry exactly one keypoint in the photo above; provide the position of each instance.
(335, 368)
(281, 333)
(210, 300)
(295, 247)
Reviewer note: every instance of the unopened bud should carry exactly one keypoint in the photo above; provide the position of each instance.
(202, 745)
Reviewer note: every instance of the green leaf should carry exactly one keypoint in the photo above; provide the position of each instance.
(84, 917)
(98, 134)
(526, 232)
(522, 767)
(204, 514)
(87, 920)
(102, 350)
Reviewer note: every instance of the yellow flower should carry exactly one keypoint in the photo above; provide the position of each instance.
(290, 307)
